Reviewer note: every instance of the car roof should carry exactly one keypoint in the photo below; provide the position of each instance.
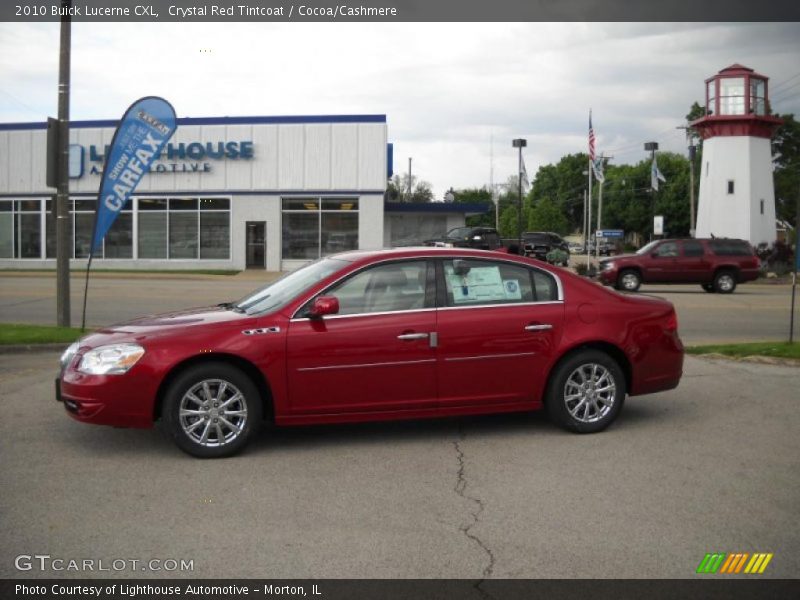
(424, 251)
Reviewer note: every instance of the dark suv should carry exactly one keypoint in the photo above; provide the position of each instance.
(716, 264)
(539, 244)
(481, 238)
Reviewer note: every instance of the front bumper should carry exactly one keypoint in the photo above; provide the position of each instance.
(117, 400)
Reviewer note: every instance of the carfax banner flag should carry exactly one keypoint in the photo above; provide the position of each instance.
(141, 135)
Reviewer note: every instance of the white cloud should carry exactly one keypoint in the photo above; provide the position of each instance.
(445, 88)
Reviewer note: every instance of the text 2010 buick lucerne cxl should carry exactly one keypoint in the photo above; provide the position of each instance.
(376, 335)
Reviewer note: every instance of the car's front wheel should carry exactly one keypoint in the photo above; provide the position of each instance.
(629, 280)
(586, 392)
(212, 410)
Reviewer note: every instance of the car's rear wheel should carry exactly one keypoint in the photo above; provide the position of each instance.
(709, 287)
(212, 410)
(586, 392)
(629, 280)
(725, 282)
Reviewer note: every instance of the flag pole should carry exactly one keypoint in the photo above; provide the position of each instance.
(589, 221)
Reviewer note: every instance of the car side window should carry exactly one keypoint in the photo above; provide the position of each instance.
(544, 287)
(478, 282)
(692, 248)
(667, 249)
(383, 288)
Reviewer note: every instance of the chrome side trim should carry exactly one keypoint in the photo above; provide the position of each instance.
(500, 305)
(371, 314)
(484, 356)
(262, 331)
(380, 364)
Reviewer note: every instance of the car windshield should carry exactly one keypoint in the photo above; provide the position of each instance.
(459, 233)
(281, 291)
(647, 248)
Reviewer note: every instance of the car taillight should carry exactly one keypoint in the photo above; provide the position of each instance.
(672, 322)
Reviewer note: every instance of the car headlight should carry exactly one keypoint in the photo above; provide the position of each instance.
(111, 360)
(68, 354)
(607, 265)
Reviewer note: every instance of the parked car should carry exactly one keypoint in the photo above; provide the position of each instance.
(576, 248)
(378, 335)
(481, 238)
(538, 244)
(718, 265)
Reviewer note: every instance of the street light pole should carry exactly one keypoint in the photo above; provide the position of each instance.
(652, 147)
(519, 143)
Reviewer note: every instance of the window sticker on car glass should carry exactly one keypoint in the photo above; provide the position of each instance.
(481, 284)
(512, 289)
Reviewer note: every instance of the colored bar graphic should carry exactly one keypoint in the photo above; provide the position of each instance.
(733, 562)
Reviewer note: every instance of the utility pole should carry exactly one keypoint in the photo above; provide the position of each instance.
(62, 194)
(652, 147)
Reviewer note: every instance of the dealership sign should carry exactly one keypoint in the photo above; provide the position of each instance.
(175, 157)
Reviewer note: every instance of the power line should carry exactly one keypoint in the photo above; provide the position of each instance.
(784, 82)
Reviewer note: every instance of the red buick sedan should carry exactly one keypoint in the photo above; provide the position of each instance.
(376, 335)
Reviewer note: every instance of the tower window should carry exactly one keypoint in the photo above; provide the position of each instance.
(730, 186)
(707, 168)
(762, 207)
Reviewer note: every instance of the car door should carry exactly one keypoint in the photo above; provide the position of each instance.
(662, 265)
(498, 325)
(376, 354)
(694, 268)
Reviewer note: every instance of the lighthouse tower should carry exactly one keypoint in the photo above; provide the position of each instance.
(737, 193)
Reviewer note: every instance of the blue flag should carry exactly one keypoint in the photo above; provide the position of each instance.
(141, 135)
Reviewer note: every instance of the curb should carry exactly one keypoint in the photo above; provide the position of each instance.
(32, 348)
(762, 360)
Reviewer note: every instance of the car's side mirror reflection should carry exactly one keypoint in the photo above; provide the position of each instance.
(323, 305)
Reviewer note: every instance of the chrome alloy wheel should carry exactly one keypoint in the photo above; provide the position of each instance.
(630, 282)
(590, 393)
(213, 413)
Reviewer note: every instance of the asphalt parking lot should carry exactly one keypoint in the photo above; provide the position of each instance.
(711, 466)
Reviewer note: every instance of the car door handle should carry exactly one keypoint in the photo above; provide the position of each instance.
(412, 336)
(538, 327)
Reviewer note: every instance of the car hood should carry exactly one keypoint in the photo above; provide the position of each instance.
(166, 324)
(618, 257)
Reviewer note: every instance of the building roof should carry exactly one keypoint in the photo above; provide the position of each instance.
(464, 208)
(254, 120)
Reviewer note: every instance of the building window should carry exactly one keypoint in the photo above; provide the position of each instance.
(758, 103)
(762, 207)
(731, 96)
(184, 228)
(730, 186)
(712, 97)
(313, 227)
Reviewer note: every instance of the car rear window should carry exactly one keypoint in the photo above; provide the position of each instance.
(731, 248)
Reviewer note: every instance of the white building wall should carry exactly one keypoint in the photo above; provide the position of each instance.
(747, 161)
(288, 157)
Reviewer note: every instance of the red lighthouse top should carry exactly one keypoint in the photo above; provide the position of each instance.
(737, 103)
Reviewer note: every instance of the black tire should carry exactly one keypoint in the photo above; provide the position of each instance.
(225, 431)
(629, 280)
(709, 287)
(725, 281)
(595, 369)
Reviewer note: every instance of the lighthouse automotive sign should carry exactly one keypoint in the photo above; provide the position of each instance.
(144, 129)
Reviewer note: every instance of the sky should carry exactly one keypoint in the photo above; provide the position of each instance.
(454, 94)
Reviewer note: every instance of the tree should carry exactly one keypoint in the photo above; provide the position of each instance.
(546, 216)
(477, 196)
(786, 153)
(397, 189)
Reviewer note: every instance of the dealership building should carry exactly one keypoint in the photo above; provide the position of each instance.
(226, 193)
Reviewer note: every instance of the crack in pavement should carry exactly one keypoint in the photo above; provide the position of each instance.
(460, 489)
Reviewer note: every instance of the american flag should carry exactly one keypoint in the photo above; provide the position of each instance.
(591, 138)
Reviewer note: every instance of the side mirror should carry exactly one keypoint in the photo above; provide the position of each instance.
(324, 305)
